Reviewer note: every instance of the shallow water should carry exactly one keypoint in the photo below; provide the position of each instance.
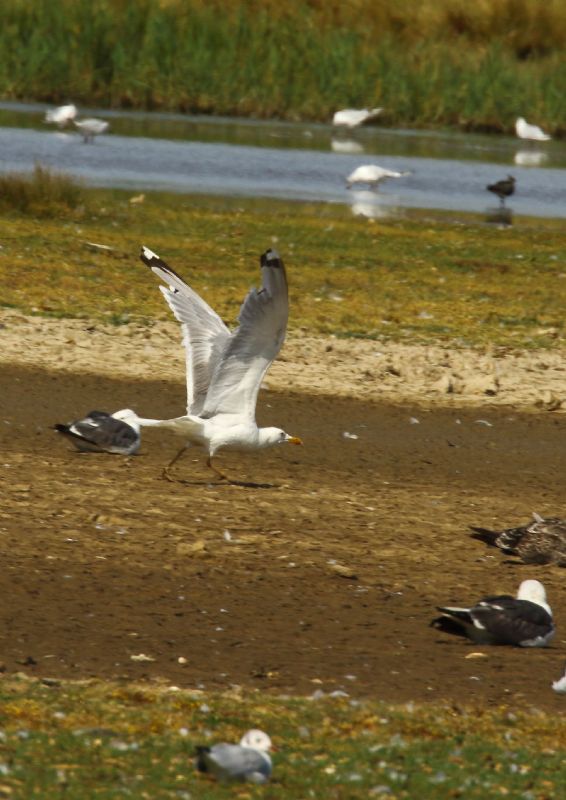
(174, 152)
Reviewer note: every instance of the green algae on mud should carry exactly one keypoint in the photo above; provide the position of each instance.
(425, 277)
(101, 739)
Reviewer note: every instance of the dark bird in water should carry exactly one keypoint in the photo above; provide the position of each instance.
(99, 432)
(542, 541)
(525, 620)
(503, 189)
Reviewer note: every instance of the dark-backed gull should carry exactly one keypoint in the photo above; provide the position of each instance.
(504, 188)
(542, 541)
(247, 761)
(99, 432)
(525, 620)
(225, 370)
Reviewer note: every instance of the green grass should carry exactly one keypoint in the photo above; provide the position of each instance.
(424, 278)
(43, 193)
(437, 62)
(107, 740)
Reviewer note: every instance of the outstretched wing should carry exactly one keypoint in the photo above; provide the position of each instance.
(253, 346)
(204, 334)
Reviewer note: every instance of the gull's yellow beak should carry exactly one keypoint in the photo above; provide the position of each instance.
(294, 440)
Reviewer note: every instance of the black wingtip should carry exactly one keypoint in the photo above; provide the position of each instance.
(60, 428)
(271, 258)
(201, 751)
(484, 535)
(148, 256)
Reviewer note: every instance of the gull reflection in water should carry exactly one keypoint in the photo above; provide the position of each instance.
(530, 158)
(350, 146)
(372, 205)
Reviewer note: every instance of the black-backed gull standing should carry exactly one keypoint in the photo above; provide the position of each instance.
(504, 188)
(525, 620)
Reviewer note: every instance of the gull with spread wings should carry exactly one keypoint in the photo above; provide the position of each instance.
(225, 369)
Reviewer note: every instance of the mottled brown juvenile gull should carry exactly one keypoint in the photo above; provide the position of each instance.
(224, 369)
(504, 188)
(247, 761)
(542, 541)
(525, 620)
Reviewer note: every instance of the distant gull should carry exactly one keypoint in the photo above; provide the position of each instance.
(525, 621)
(91, 127)
(560, 685)
(542, 541)
(352, 117)
(99, 432)
(247, 761)
(372, 175)
(61, 115)
(225, 370)
(503, 189)
(532, 132)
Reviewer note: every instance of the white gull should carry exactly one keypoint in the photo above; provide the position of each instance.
(352, 117)
(372, 175)
(525, 620)
(224, 369)
(61, 115)
(91, 127)
(247, 761)
(532, 132)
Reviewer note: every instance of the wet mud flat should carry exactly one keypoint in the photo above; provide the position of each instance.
(326, 581)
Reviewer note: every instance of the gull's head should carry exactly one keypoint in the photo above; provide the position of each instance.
(533, 591)
(127, 415)
(271, 436)
(256, 739)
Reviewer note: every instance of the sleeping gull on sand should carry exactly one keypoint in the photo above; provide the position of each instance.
(247, 761)
(225, 370)
(61, 115)
(525, 620)
(352, 117)
(91, 127)
(372, 175)
(542, 541)
(99, 432)
(532, 132)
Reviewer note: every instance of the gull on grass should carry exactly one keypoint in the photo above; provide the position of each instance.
(504, 188)
(225, 369)
(541, 541)
(61, 115)
(372, 175)
(91, 127)
(525, 620)
(352, 117)
(100, 432)
(247, 761)
(531, 132)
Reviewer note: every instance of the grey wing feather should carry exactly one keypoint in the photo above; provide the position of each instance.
(204, 334)
(234, 762)
(253, 346)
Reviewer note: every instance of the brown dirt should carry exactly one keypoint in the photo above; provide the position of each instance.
(103, 560)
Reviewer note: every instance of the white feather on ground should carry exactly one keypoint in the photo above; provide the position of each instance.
(525, 620)
(247, 761)
(224, 369)
(560, 685)
(100, 432)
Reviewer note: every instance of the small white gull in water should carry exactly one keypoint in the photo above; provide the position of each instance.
(225, 370)
(247, 761)
(91, 127)
(99, 432)
(61, 115)
(352, 117)
(532, 132)
(525, 620)
(372, 175)
(542, 541)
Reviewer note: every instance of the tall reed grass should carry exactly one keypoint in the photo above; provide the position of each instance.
(436, 62)
(42, 193)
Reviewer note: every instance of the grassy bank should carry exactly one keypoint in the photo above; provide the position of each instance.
(108, 740)
(438, 62)
(421, 278)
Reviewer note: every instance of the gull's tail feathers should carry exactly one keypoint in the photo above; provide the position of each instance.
(485, 535)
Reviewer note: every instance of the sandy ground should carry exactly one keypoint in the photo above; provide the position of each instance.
(327, 580)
